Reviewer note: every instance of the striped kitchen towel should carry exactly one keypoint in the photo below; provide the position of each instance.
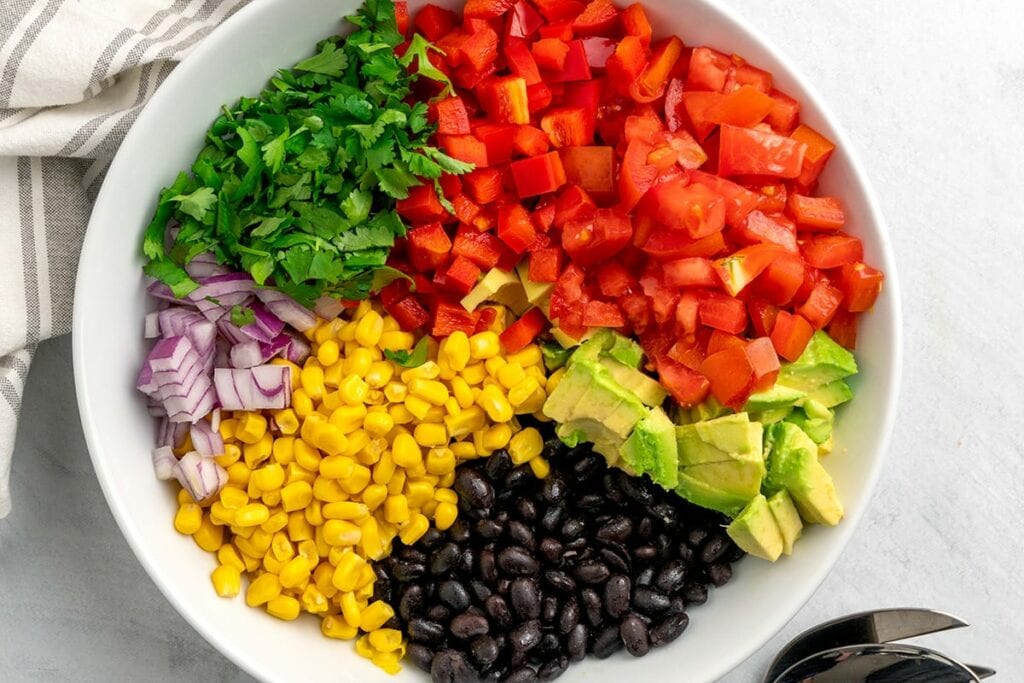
(74, 75)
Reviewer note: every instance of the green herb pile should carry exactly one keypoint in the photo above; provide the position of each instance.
(297, 187)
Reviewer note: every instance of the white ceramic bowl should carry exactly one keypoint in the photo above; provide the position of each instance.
(108, 347)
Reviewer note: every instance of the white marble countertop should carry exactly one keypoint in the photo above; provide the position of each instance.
(932, 95)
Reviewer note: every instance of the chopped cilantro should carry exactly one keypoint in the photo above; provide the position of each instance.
(242, 316)
(407, 359)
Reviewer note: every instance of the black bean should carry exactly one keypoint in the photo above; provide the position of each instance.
(686, 554)
(677, 606)
(576, 545)
(671, 577)
(488, 528)
(666, 514)
(502, 517)
(497, 609)
(450, 666)
(552, 550)
(408, 571)
(616, 595)
(548, 609)
(592, 572)
(719, 574)
(503, 585)
(650, 601)
(460, 531)
(410, 554)
(526, 509)
(714, 548)
(590, 502)
(438, 613)
(695, 593)
(524, 595)
(645, 528)
(412, 602)
(668, 629)
(487, 565)
(587, 466)
(633, 488)
(525, 637)
(521, 534)
(592, 606)
(454, 594)
(634, 634)
(607, 642)
(474, 489)
(573, 528)
(553, 669)
(518, 477)
(444, 559)
(521, 675)
(696, 537)
(611, 487)
(423, 631)
(420, 654)
(559, 580)
(552, 517)
(569, 616)
(614, 560)
(498, 465)
(645, 577)
(468, 625)
(479, 590)
(517, 561)
(549, 646)
(484, 650)
(645, 553)
(576, 642)
(664, 546)
(617, 529)
(554, 488)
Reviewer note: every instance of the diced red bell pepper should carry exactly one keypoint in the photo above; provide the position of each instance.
(544, 215)
(480, 50)
(773, 229)
(538, 175)
(832, 251)
(395, 290)
(545, 264)
(723, 313)
(635, 23)
(591, 168)
(636, 177)
(402, 16)
(602, 314)
(559, 10)
(435, 22)
(764, 361)
(466, 210)
(421, 206)
(530, 141)
(739, 269)
(860, 284)
(822, 303)
(483, 185)
(515, 228)
(452, 118)
(566, 127)
(819, 149)
(694, 271)
(673, 244)
(562, 30)
(486, 315)
(785, 113)
(595, 240)
(485, 9)
(497, 138)
(429, 246)
(816, 213)
(452, 317)
(482, 248)
(708, 70)
(694, 208)
(651, 84)
(627, 64)
(524, 20)
(744, 107)
(539, 97)
(843, 329)
(731, 376)
(739, 201)
(754, 152)
(573, 204)
(462, 275)
(781, 280)
(464, 148)
(762, 316)
(614, 279)
(504, 99)
(550, 53)
(790, 335)
(600, 18)
(688, 387)
(408, 312)
(520, 61)
(576, 68)
(522, 332)
(598, 50)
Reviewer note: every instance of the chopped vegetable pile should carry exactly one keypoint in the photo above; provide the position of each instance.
(439, 251)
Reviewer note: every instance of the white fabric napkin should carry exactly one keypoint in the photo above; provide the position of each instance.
(74, 75)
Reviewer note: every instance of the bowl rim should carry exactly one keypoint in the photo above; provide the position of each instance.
(194, 61)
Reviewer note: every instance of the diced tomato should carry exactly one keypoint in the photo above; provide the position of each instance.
(731, 376)
(576, 68)
(504, 99)
(522, 332)
(663, 298)
(602, 314)
(452, 317)
(688, 387)
(860, 285)
(483, 185)
(588, 95)
(452, 118)
(591, 168)
(599, 18)
(515, 228)
(524, 20)
(530, 141)
(781, 280)
(614, 279)
(685, 151)
(744, 75)
(694, 208)
(816, 213)
(462, 275)
(568, 291)
(566, 127)
(652, 82)
(708, 70)
(790, 335)
(637, 311)
(771, 198)
(764, 361)
(719, 341)
(785, 113)
(697, 104)
(538, 175)
(645, 126)
(819, 149)
(739, 201)
(591, 241)
(670, 244)
(689, 351)
(676, 117)
(497, 138)
(545, 264)
(409, 313)
(482, 248)
(821, 304)
(743, 107)
(687, 316)
(762, 316)
(429, 246)
(464, 148)
(520, 61)
(723, 313)
(421, 206)
(832, 251)
(635, 23)
(695, 271)
(626, 65)
(573, 204)
(434, 22)
(774, 229)
(402, 16)
(843, 329)
(754, 152)
(485, 9)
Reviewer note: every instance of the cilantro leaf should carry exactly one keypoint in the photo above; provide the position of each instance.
(196, 204)
(242, 316)
(413, 359)
(330, 61)
(419, 48)
(172, 275)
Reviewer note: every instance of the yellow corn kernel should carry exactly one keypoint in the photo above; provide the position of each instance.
(527, 356)
(188, 519)
(272, 497)
(357, 440)
(478, 443)
(287, 421)
(379, 374)
(328, 352)
(220, 514)
(306, 457)
(414, 530)
(353, 390)
(395, 392)
(429, 435)
(396, 340)
(358, 363)
(418, 493)
(378, 423)
(295, 572)
(493, 366)
(376, 614)
(428, 370)
(461, 392)
(435, 414)
(328, 490)
(447, 480)
(405, 451)
(525, 445)
(334, 373)
(340, 532)
(417, 406)
(346, 573)
(252, 490)
(307, 550)
(372, 452)
(347, 510)
(277, 521)
(281, 547)
(494, 403)
(312, 380)
(474, 374)
(348, 418)
(250, 427)
(431, 391)
(356, 481)
(334, 626)
(346, 331)
(268, 477)
(242, 531)
(284, 607)
(299, 528)
(302, 404)
(445, 515)
(463, 450)
(541, 468)
(384, 469)
(329, 438)
(227, 428)
(299, 473)
(232, 453)
(374, 495)
(369, 328)
(209, 536)
(455, 350)
(397, 482)
(534, 403)
(384, 639)
(252, 514)
(370, 543)
(484, 345)
(296, 496)
(388, 662)
(497, 436)
(396, 509)
(510, 375)
(284, 450)
(440, 461)
(452, 407)
(519, 393)
(446, 496)
(227, 554)
(364, 649)
(336, 467)
(256, 453)
(331, 402)
(313, 600)
(227, 580)
(400, 415)
(554, 378)
(536, 372)
(262, 590)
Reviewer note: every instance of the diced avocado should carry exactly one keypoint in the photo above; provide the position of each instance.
(626, 351)
(725, 438)
(513, 296)
(565, 340)
(647, 389)
(535, 291)
(588, 391)
(722, 486)
(756, 531)
(825, 447)
(777, 397)
(651, 449)
(575, 432)
(788, 519)
(772, 416)
(832, 394)
(555, 356)
(822, 362)
(815, 419)
(793, 465)
(708, 409)
(563, 400)
(490, 286)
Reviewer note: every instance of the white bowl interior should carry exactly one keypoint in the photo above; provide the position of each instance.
(108, 347)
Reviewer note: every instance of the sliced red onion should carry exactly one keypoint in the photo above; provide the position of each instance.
(263, 387)
(182, 322)
(231, 332)
(194, 405)
(206, 440)
(203, 266)
(172, 433)
(278, 346)
(298, 349)
(201, 477)
(164, 462)
(328, 308)
(171, 354)
(265, 326)
(221, 354)
(287, 309)
(155, 407)
(159, 290)
(152, 329)
(215, 420)
(217, 294)
(247, 354)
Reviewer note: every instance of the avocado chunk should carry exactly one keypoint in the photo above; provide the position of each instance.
(775, 398)
(651, 449)
(814, 419)
(793, 465)
(723, 486)
(647, 389)
(565, 340)
(626, 351)
(730, 437)
(822, 362)
(582, 430)
(563, 400)
(491, 286)
(788, 519)
(756, 531)
(708, 409)
(832, 394)
(555, 356)
(772, 416)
